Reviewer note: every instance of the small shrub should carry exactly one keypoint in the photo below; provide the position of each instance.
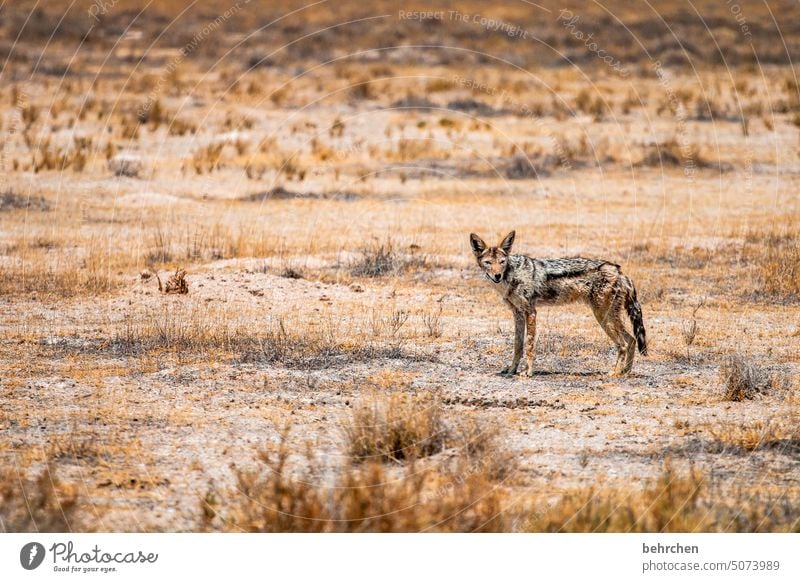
(776, 258)
(39, 504)
(290, 272)
(399, 428)
(433, 322)
(779, 435)
(125, 166)
(9, 200)
(207, 159)
(381, 259)
(377, 260)
(743, 379)
(674, 502)
(61, 276)
(289, 494)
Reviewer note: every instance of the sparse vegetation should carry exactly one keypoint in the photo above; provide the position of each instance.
(776, 258)
(743, 379)
(782, 435)
(9, 200)
(37, 503)
(381, 259)
(285, 496)
(321, 205)
(675, 502)
(396, 429)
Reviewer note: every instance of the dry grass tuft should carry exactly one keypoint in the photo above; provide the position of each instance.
(56, 274)
(39, 504)
(9, 200)
(285, 496)
(400, 427)
(782, 436)
(381, 259)
(743, 379)
(776, 258)
(199, 330)
(672, 503)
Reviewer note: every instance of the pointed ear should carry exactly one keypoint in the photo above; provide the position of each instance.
(508, 241)
(477, 244)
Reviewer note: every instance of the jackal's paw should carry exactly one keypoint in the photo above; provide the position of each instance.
(508, 371)
(529, 372)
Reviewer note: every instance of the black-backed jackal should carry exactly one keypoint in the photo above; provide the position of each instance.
(524, 283)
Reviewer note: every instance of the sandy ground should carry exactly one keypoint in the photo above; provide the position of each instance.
(162, 430)
(144, 431)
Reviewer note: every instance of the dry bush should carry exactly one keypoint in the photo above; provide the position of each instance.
(154, 114)
(523, 167)
(291, 168)
(306, 496)
(671, 153)
(432, 320)
(199, 330)
(672, 503)
(380, 259)
(399, 428)
(207, 159)
(49, 157)
(124, 165)
(480, 447)
(37, 271)
(36, 504)
(743, 379)
(9, 200)
(290, 272)
(377, 260)
(776, 259)
(381, 323)
(596, 107)
(181, 127)
(130, 128)
(779, 435)
(409, 149)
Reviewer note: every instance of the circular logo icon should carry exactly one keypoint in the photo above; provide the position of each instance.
(31, 555)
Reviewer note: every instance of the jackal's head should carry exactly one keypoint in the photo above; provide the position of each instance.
(493, 260)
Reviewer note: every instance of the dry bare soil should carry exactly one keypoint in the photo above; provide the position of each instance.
(334, 364)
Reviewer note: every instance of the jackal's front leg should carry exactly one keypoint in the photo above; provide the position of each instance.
(519, 337)
(531, 347)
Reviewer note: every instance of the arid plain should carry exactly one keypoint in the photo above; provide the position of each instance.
(334, 364)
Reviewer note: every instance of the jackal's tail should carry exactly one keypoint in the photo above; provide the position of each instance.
(635, 313)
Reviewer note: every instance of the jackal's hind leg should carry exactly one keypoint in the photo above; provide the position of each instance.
(609, 316)
(519, 337)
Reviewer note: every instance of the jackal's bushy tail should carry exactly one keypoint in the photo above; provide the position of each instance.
(635, 313)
